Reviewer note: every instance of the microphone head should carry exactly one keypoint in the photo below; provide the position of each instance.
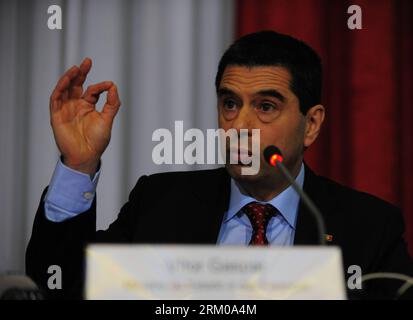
(272, 154)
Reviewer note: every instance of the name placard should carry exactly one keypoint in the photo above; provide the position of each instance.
(213, 272)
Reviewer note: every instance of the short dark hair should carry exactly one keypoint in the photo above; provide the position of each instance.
(270, 48)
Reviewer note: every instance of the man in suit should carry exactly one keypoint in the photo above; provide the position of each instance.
(265, 81)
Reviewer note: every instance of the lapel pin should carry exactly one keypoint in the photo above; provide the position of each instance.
(329, 237)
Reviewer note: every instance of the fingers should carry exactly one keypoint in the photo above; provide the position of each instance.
(60, 92)
(93, 92)
(70, 86)
(112, 104)
(86, 65)
(76, 86)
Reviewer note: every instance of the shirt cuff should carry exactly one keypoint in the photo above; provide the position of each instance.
(70, 193)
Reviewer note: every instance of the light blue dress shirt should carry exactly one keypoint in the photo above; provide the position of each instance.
(236, 227)
(71, 193)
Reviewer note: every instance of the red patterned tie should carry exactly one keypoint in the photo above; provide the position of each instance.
(259, 215)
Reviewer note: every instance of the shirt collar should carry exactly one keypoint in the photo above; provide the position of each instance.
(286, 202)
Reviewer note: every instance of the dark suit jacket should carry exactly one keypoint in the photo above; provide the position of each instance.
(188, 208)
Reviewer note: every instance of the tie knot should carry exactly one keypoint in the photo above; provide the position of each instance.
(260, 211)
(259, 215)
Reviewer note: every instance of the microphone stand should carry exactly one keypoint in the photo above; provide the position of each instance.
(307, 201)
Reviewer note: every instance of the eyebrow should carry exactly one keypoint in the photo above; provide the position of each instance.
(268, 92)
(226, 92)
(272, 93)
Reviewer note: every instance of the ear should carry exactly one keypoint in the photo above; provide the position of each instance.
(314, 119)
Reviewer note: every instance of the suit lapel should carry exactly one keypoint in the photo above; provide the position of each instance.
(212, 200)
(306, 232)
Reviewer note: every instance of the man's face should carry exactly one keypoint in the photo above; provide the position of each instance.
(261, 98)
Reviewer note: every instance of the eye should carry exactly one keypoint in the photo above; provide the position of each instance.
(267, 107)
(230, 104)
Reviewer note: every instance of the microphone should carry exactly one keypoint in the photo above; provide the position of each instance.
(274, 157)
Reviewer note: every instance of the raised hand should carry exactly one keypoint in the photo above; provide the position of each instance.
(82, 133)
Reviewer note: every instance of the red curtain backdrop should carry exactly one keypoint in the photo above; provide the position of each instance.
(367, 138)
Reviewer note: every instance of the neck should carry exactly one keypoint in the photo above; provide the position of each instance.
(269, 187)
